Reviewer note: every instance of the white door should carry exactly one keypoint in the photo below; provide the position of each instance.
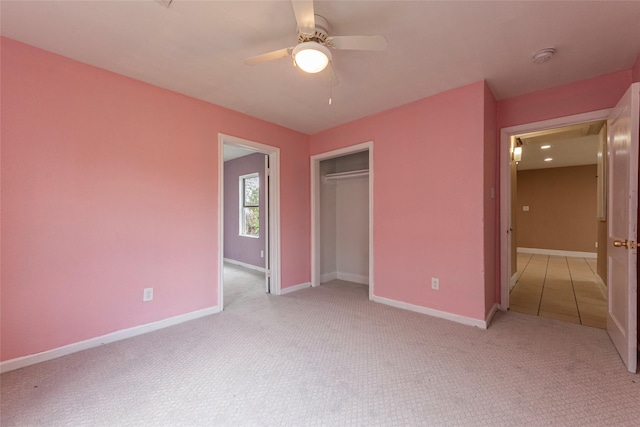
(267, 264)
(622, 226)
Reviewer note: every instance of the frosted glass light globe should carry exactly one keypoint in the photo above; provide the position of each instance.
(311, 57)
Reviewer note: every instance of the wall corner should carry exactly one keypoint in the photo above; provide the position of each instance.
(635, 71)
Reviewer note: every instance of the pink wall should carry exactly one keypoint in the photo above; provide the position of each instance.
(236, 247)
(428, 198)
(109, 185)
(574, 98)
(491, 221)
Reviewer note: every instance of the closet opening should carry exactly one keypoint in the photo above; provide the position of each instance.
(342, 217)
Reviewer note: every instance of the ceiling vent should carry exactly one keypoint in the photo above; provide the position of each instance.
(543, 55)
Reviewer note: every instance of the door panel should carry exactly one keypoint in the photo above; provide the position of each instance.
(619, 295)
(622, 226)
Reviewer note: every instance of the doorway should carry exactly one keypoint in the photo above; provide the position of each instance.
(559, 225)
(623, 122)
(248, 220)
(508, 248)
(342, 216)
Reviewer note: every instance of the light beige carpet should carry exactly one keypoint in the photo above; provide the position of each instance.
(327, 356)
(241, 286)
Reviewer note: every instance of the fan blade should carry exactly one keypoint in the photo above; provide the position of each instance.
(358, 42)
(276, 54)
(304, 16)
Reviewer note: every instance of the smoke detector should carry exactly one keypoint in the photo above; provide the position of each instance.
(543, 55)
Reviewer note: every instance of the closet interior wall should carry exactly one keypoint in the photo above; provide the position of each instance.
(344, 220)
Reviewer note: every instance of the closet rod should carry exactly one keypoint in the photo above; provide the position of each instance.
(350, 174)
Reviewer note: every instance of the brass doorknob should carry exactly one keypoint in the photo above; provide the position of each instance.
(621, 243)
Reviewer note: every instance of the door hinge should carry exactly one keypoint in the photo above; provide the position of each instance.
(268, 171)
(268, 273)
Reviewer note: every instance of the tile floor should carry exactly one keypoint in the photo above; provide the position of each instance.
(562, 288)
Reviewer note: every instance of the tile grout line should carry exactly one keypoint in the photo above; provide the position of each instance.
(575, 298)
(544, 280)
(589, 265)
(521, 274)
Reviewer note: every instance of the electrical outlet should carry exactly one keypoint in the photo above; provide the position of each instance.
(435, 283)
(147, 294)
(261, 254)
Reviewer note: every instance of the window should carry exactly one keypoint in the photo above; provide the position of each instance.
(250, 205)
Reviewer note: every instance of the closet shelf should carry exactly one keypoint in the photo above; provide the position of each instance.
(345, 175)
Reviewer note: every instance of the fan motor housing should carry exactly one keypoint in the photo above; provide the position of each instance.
(321, 33)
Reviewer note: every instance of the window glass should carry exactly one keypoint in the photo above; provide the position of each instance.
(250, 206)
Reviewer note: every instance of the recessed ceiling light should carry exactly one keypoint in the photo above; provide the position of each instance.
(548, 159)
(544, 147)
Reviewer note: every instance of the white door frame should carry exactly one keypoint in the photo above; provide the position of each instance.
(505, 185)
(315, 208)
(273, 268)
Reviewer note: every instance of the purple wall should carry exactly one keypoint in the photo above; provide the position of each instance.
(236, 247)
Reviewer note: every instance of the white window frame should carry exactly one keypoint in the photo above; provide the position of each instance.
(241, 206)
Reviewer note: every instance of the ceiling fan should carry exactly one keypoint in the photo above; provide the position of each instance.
(312, 54)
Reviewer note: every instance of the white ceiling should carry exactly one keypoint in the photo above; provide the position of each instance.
(198, 47)
(234, 152)
(569, 146)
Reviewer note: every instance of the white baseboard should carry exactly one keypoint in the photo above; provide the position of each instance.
(492, 313)
(558, 252)
(482, 324)
(32, 359)
(294, 288)
(327, 277)
(355, 278)
(244, 264)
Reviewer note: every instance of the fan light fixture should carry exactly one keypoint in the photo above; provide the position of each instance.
(311, 57)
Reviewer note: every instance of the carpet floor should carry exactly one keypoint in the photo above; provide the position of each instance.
(327, 356)
(242, 286)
